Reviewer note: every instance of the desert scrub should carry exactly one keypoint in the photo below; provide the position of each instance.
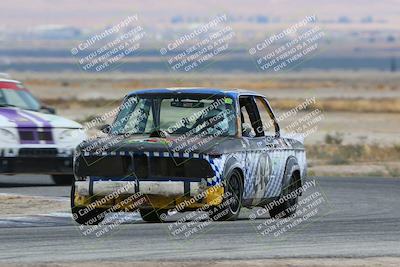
(344, 154)
(345, 105)
(336, 138)
(393, 171)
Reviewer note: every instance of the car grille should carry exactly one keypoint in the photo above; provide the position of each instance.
(35, 135)
(27, 135)
(38, 152)
(102, 166)
(45, 136)
(142, 167)
(180, 167)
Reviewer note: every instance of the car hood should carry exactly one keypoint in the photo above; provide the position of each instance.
(215, 145)
(20, 118)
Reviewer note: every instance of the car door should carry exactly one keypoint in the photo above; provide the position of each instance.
(275, 145)
(257, 160)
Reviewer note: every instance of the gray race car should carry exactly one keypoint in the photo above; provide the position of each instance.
(181, 149)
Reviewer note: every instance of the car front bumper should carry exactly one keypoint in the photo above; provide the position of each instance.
(159, 194)
(166, 188)
(49, 159)
(36, 165)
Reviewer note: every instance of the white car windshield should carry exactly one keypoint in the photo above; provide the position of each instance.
(18, 98)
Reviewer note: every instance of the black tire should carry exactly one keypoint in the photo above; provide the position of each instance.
(92, 217)
(288, 207)
(83, 216)
(62, 179)
(230, 206)
(153, 215)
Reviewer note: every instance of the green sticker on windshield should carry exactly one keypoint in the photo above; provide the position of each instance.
(228, 101)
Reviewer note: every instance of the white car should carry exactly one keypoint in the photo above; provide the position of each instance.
(32, 138)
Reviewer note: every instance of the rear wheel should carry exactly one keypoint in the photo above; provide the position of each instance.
(62, 179)
(229, 208)
(288, 207)
(153, 215)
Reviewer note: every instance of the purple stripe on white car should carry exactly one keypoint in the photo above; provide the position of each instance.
(46, 123)
(13, 116)
(23, 123)
(47, 127)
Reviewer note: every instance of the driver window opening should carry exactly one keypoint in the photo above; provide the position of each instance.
(267, 120)
(251, 123)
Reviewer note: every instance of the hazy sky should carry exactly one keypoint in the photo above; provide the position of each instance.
(22, 14)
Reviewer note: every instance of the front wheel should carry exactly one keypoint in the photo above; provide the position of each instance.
(84, 215)
(153, 215)
(62, 179)
(229, 208)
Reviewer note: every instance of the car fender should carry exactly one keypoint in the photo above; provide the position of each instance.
(231, 164)
(290, 167)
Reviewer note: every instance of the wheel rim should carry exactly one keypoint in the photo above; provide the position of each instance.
(234, 187)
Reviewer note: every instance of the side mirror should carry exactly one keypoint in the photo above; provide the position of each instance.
(106, 128)
(46, 109)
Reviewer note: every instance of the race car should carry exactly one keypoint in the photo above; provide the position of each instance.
(32, 139)
(183, 149)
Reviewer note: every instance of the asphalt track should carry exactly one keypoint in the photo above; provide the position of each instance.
(360, 218)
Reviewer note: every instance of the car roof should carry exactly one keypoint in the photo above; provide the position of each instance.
(8, 81)
(196, 90)
(11, 84)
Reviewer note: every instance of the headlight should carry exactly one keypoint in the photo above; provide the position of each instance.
(7, 136)
(69, 135)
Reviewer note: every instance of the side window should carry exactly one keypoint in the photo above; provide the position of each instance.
(249, 117)
(268, 124)
(2, 97)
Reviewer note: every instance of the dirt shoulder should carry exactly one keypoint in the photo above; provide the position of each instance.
(391, 170)
(19, 205)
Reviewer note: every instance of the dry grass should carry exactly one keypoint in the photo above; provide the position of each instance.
(353, 160)
(348, 105)
(341, 105)
(250, 83)
(344, 154)
(56, 89)
(78, 103)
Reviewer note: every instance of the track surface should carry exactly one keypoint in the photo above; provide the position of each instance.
(363, 221)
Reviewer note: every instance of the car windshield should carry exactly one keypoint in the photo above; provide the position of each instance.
(18, 98)
(176, 114)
